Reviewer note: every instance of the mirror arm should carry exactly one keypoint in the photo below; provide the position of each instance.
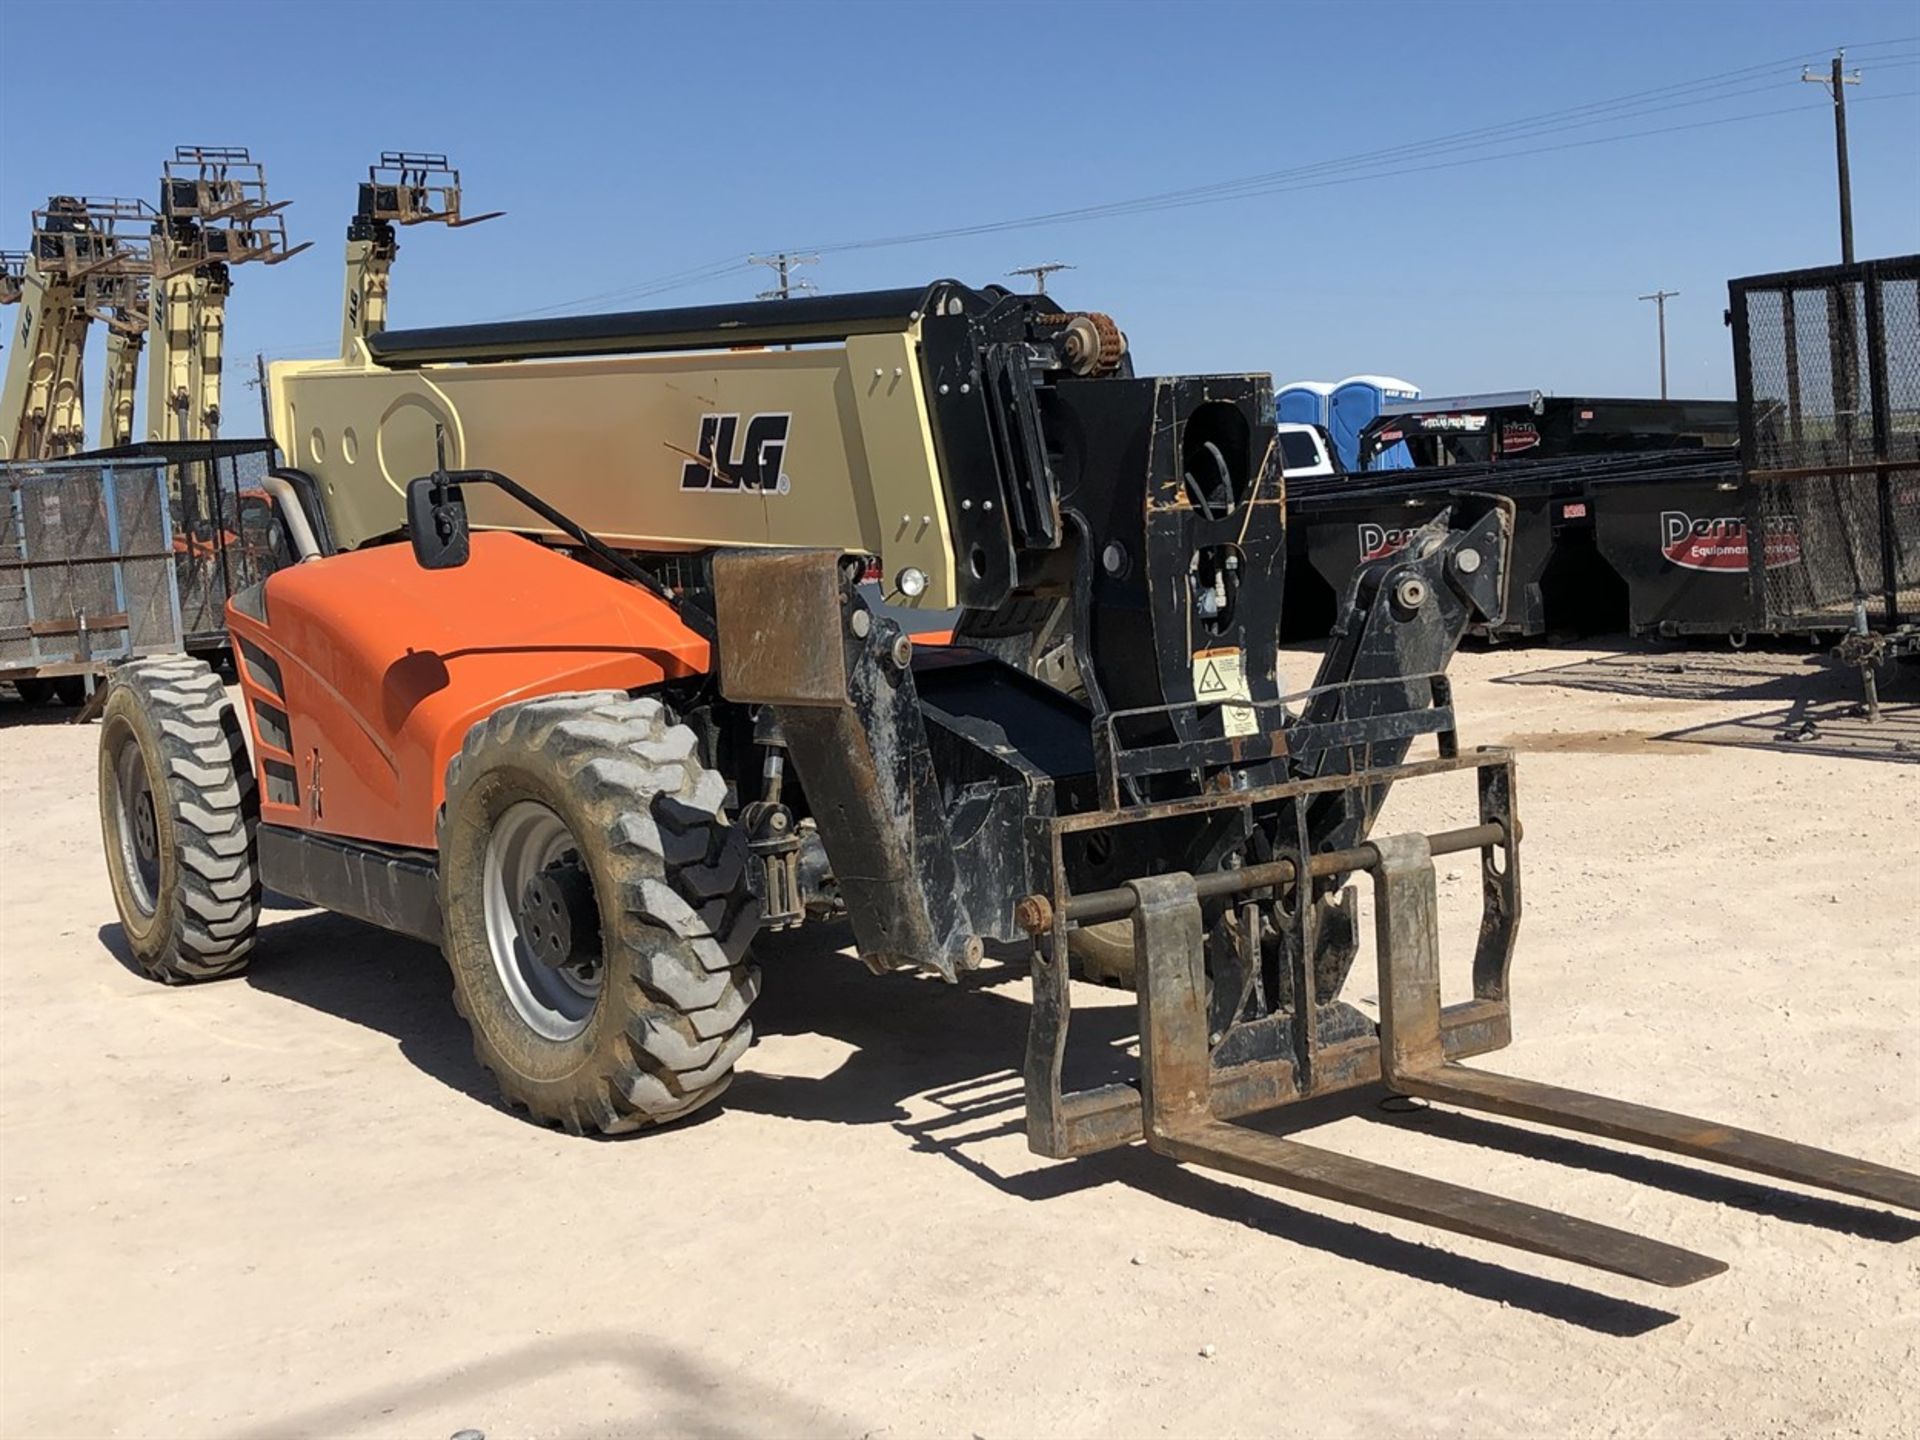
(442, 480)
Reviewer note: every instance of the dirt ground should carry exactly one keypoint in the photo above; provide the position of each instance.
(287, 1205)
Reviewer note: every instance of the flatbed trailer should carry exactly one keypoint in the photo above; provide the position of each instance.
(1445, 430)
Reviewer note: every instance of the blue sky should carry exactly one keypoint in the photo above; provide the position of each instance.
(632, 141)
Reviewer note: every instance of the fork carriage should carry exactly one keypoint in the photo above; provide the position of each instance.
(1214, 1049)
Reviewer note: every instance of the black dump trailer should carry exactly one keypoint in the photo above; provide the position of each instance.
(1648, 541)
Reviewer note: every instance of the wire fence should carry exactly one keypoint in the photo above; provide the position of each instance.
(1827, 364)
(131, 552)
(226, 535)
(87, 571)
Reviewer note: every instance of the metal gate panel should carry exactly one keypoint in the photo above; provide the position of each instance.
(86, 563)
(1827, 365)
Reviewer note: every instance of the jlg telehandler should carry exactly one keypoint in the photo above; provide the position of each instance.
(590, 716)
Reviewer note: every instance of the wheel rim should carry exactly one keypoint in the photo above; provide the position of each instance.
(136, 823)
(555, 1003)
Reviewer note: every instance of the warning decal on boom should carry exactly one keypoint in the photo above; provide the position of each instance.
(1220, 678)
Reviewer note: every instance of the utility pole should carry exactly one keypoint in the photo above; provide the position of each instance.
(1836, 84)
(1660, 298)
(1040, 273)
(782, 266)
(259, 382)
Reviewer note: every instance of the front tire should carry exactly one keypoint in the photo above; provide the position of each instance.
(596, 912)
(178, 812)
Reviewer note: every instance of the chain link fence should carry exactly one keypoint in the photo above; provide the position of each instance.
(1827, 365)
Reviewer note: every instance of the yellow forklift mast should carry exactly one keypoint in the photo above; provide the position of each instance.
(215, 212)
(121, 305)
(116, 295)
(75, 242)
(406, 187)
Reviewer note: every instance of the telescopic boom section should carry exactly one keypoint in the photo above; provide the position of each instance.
(901, 424)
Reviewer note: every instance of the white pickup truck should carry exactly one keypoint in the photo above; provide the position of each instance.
(1304, 451)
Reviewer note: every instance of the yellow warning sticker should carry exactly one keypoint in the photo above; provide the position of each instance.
(1220, 678)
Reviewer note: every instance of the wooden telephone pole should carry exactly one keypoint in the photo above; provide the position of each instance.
(1836, 84)
(1660, 298)
(1040, 273)
(783, 266)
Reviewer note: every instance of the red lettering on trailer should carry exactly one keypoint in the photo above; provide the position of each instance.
(1720, 542)
(1517, 437)
(1378, 541)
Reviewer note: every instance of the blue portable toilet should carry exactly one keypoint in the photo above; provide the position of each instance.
(1354, 404)
(1304, 402)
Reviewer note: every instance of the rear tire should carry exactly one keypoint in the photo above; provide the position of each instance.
(1105, 952)
(646, 1027)
(178, 813)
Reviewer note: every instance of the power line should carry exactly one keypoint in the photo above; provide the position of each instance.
(677, 280)
(1313, 182)
(1346, 170)
(1574, 117)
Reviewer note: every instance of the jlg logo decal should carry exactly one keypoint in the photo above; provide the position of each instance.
(1377, 541)
(729, 461)
(1721, 543)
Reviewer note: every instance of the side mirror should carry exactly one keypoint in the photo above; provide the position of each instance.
(436, 522)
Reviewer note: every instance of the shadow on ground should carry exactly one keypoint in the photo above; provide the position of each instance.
(1808, 703)
(363, 975)
(918, 1045)
(18, 714)
(684, 1394)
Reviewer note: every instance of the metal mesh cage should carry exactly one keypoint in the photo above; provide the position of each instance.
(224, 543)
(86, 567)
(1828, 367)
